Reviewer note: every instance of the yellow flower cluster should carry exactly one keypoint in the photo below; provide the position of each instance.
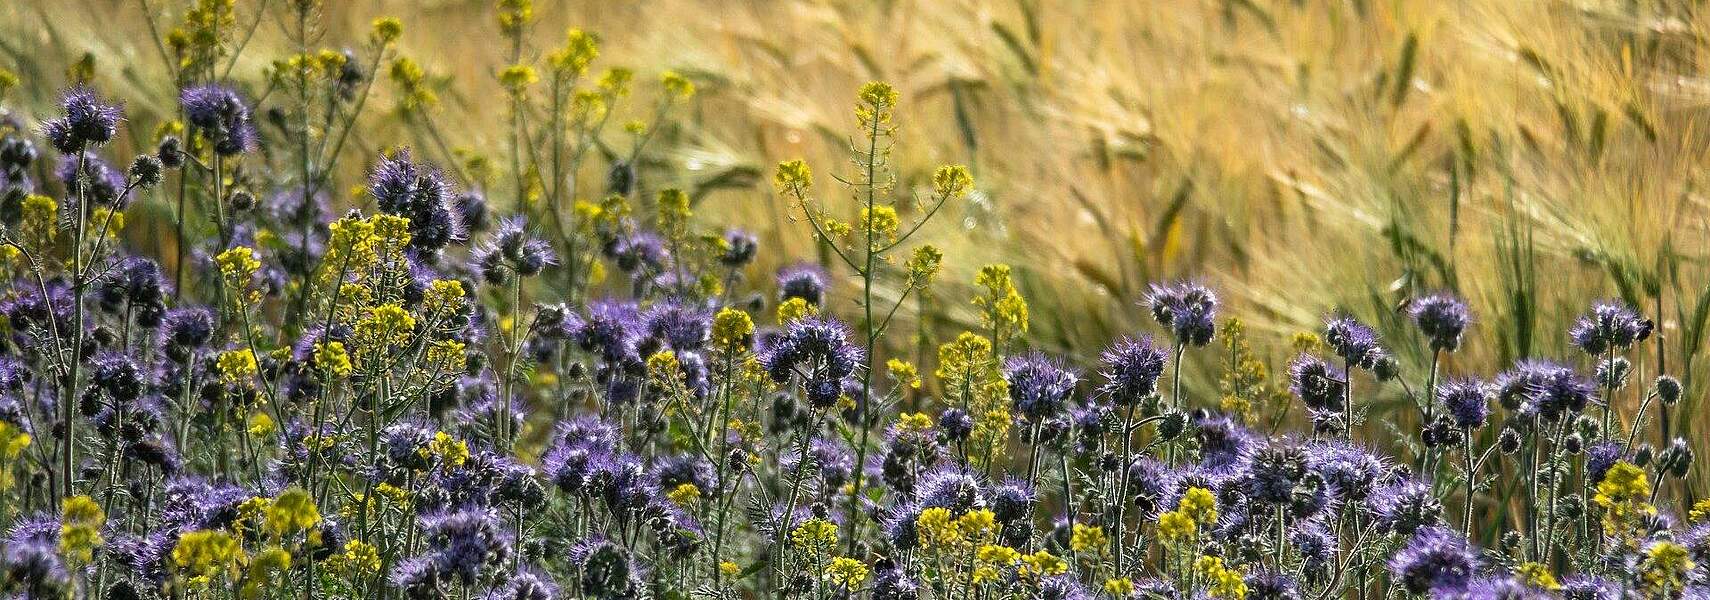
(80, 528)
(237, 367)
(13, 441)
(1624, 495)
(451, 451)
(731, 329)
(814, 534)
(1003, 311)
(846, 572)
(968, 372)
(238, 266)
(292, 511)
(1088, 538)
(1222, 582)
(1196, 509)
(332, 357)
(795, 308)
(914, 422)
(1538, 575)
(1665, 568)
(684, 495)
(204, 554)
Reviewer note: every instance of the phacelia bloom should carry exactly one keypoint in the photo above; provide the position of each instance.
(99, 185)
(1187, 309)
(87, 122)
(1590, 587)
(511, 251)
(819, 350)
(1609, 326)
(1317, 384)
(1600, 457)
(1271, 585)
(1404, 506)
(222, 115)
(1131, 370)
(1352, 472)
(955, 423)
(1467, 400)
(1544, 388)
(465, 541)
(420, 193)
(1441, 318)
(739, 248)
(1434, 559)
(1039, 387)
(679, 326)
(1274, 473)
(526, 585)
(188, 327)
(640, 252)
(1352, 340)
(802, 280)
(1224, 445)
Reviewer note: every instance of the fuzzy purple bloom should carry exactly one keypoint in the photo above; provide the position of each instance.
(87, 121)
(1131, 370)
(1442, 318)
(1435, 559)
(1187, 309)
(222, 114)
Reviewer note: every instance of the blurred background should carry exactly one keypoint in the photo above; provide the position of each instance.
(1304, 157)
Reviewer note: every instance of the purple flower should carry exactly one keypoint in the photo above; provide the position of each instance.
(1131, 370)
(1609, 325)
(1039, 387)
(1187, 309)
(1352, 340)
(87, 122)
(802, 280)
(1545, 389)
(1224, 445)
(1317, 384)
(465, 541)
(222, 115)
(510, 251)
(420, 193)
(739, 248)
(819, 349)
(1442, 318)
(100, 183)
(1467, 401)
(1404, 506)
(678, 326)
(641, 251)
(1434, 559)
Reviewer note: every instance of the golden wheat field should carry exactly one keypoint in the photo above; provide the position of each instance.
(1304, 158)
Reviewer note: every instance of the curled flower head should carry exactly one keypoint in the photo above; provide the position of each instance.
(817, 348)
(802, 280)
(1354, 342)
(1131, 370)
(1442, 318)
(511, 251)
(1039, 387)
(1188, 309)
(87, 121)
(1609, 326)
(1467, 400)
(1317, 384)
(1434, 559)
(420, 193)
(221, 114)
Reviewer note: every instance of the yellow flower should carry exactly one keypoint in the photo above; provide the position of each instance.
(450, 450)
(1200, 505)
(292, 511)
(237, 367)
(795, 308)
(1700, 512)
(39, 214)
(731, 329)
(936, 528)
(261, 425)
(359, 559)
(1175, 526)
(385, 326)
(677, 85)
(1119, 587)
(332, 357)
(793, 177)
(1665, 567)
(952, 181)
(202, 554)
(1044, 564)
(998, 555)
(387, 29)
(903, 372)
(1002, 308)
(580, 49)
(847, 572)
(264, 571)
(517, 78)
(914, 422)
(978, 524)
(13, 441)
(1088, 538)
(881, 223)
(923, 266)
(443, 296)
(237, 269)
(80, 528)
(685, 495)
(814, 533)
(1224, 582)
(1537, 575)
(729, 569)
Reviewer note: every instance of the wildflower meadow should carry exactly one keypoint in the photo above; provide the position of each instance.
(278, 321)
